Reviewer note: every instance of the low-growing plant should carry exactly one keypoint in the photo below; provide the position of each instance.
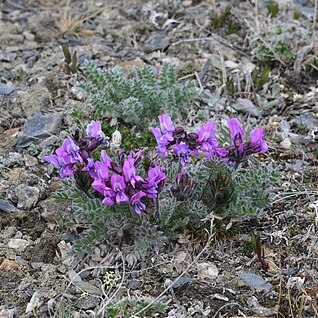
(70, 65)
(148, 199)
(127, 307)
(137, 100)
(280, 43)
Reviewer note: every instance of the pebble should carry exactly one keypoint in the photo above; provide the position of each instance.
(6, 89)
(27, 196)
(78, 93)
(134, 284)
(246, 106)
(207, 270)
(5, 206)
(181, 282)
(30, 161)
(8, 265)
(156, 41)
(256, 282)
(39, 126)
(285, 144)
(18, 244)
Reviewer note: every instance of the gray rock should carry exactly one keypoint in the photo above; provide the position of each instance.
(27, 196)
(308, 120)
(6, 89)
(181, 283)
(134, 284)
(17, 244)
(49, 141)
(38, 127)
(256, 282)
(247, 107)
(156, 41)
(5, 206)
(30, 161)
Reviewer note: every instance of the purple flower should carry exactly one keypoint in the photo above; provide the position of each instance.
(136, 203)
(65, 157)
(240, 148)
(163, 141)
(129, 171)
(106, 159)
(155, 174)
(256, 141)
(153, 182)
(164, 135)
(119, 186)
(206, 138)
(94, 129)
(90, 168)
(166, 124)
(183, 153)
(183, 186)
(237, 134)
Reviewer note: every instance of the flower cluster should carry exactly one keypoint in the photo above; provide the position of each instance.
(71, 153)
(185, 144)
(117, 182)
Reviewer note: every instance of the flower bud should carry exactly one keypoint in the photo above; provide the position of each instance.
(116, 138)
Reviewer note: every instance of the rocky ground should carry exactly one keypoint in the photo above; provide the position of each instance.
(220, 44)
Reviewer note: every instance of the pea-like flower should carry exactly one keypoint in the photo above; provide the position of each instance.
(65, 157)
(136, 203)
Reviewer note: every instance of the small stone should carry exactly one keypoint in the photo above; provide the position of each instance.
(134, 284)
(156, 41)
(207, 270)
(49, 141)
(247, 107)
(181, 283)
(256, 282)
(285, 144)
(6, 89)
(27, 196)
(8, 313)
(30, 161)
(17, 244)
(36, 265)
(8, 265)
(5, 206)
(39, 126)
(78, 93)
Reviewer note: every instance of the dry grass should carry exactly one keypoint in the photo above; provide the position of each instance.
(72, 23)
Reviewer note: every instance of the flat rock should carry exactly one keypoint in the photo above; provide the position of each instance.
(38, 127)
(27, 196)
(17, 244)
(6, 89)
(5, 206)
(246, 106)
(9, 265)
(156, 41)
(256, 281)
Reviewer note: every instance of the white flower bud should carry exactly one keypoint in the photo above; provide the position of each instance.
(116, 138)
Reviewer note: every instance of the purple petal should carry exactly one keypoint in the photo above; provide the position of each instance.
(106, 159)
(108, 201)
(166, 124)
(94, 129)
(121, 197)
(99, 185)
(236, 131)
(102, 170)
(53, 159)
(66, 172)
(256, 140)
(117, 182)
